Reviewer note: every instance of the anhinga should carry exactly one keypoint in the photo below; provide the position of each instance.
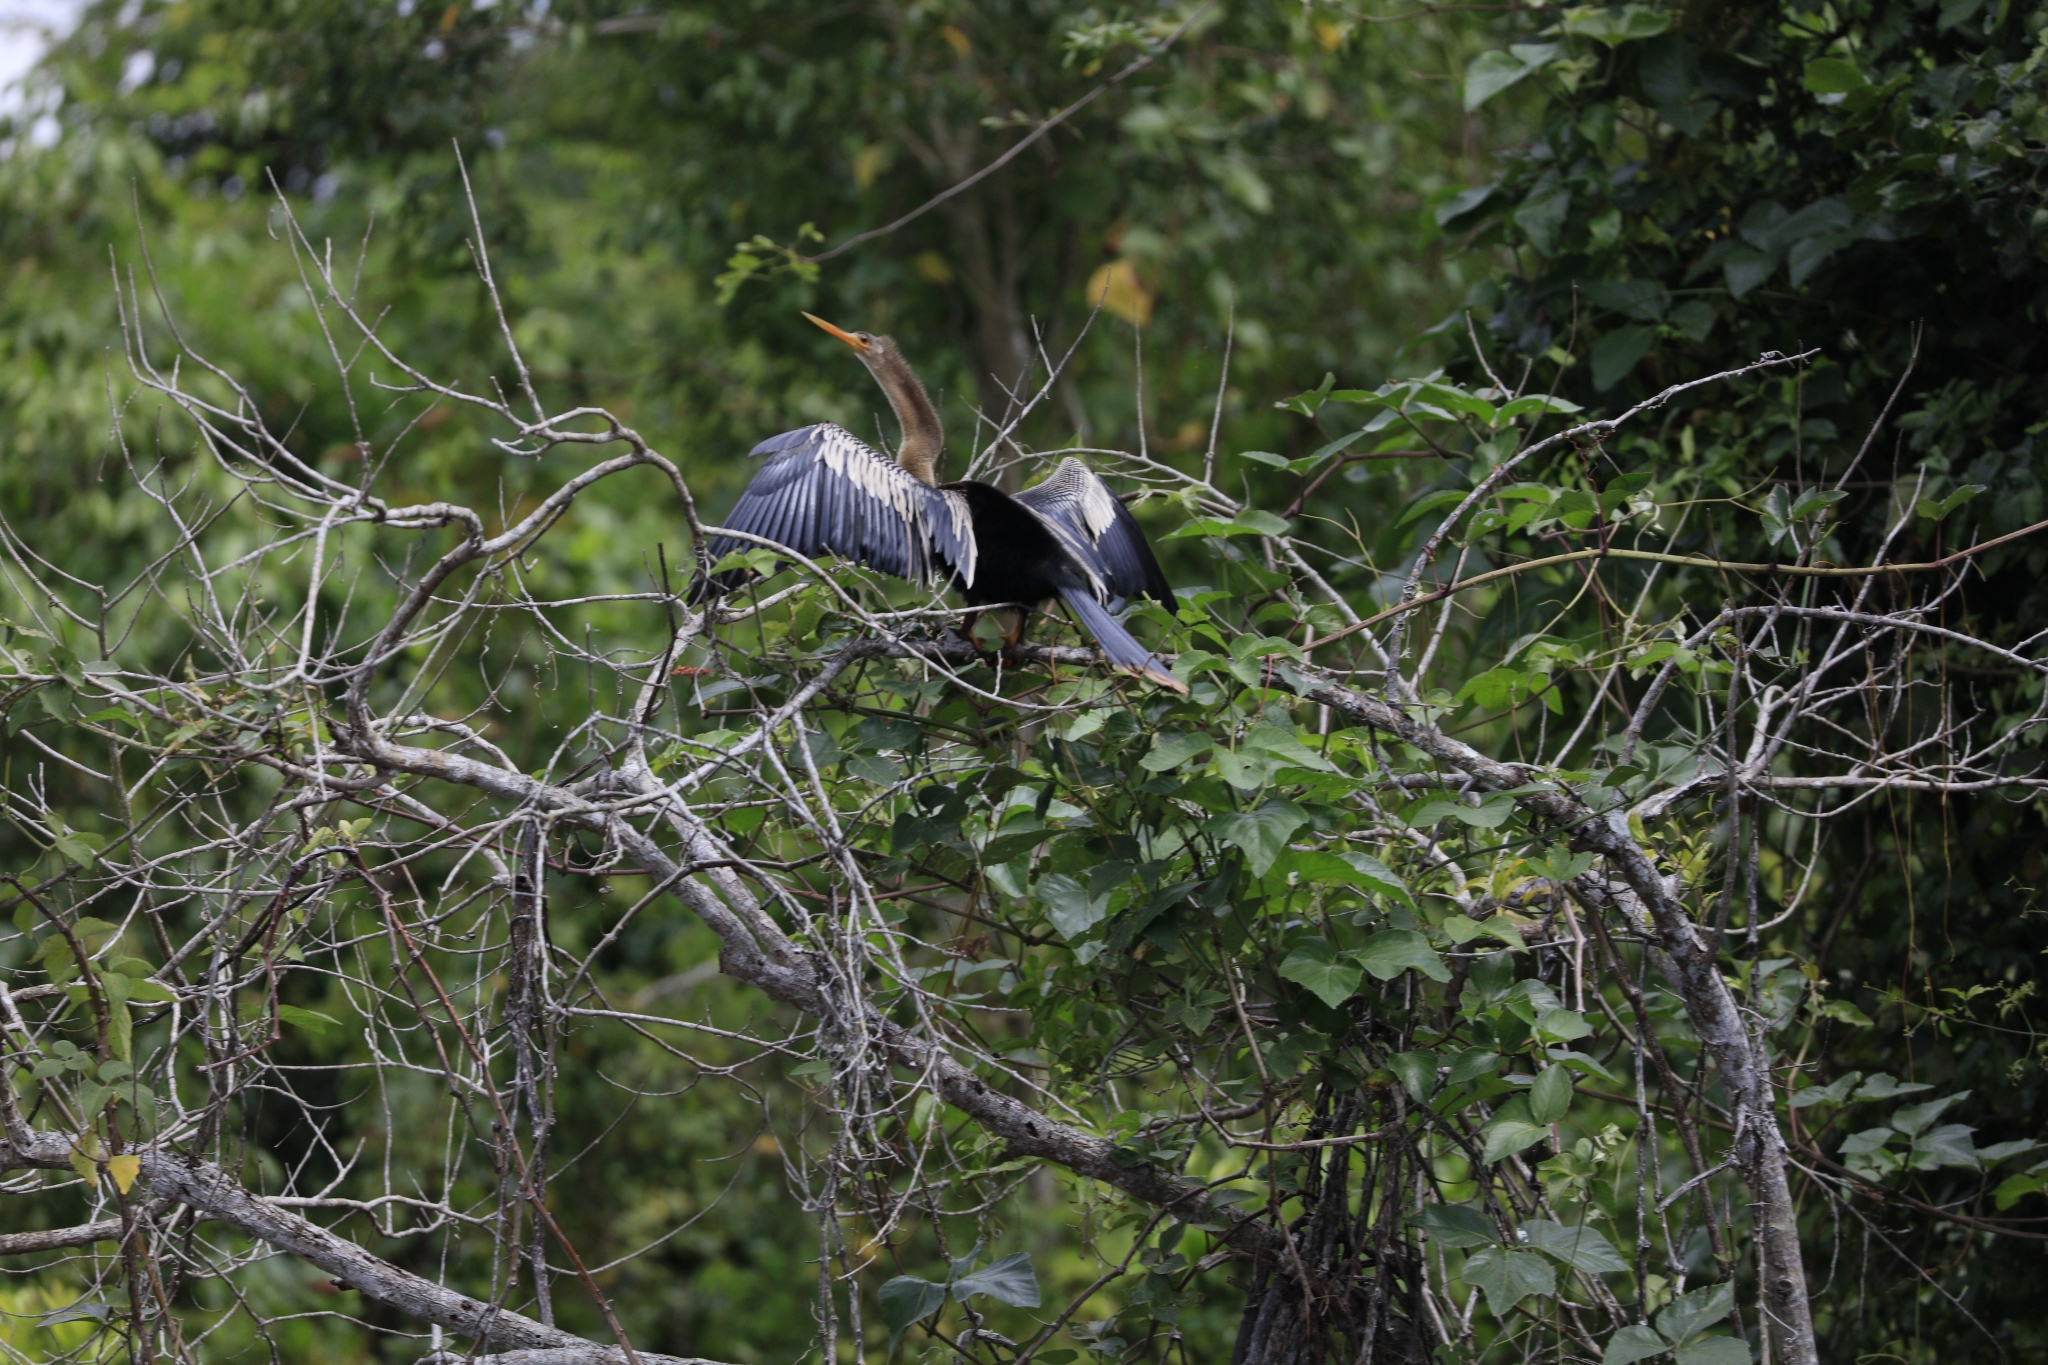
(823, 491)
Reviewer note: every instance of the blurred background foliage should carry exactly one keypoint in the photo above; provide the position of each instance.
(1605, 200)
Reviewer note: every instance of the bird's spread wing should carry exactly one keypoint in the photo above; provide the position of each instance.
(1077, 506)
(824, 491)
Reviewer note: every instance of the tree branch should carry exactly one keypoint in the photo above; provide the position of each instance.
(212, 1192)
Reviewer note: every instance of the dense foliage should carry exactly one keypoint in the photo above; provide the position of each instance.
(1256, 916)
(1863, 178)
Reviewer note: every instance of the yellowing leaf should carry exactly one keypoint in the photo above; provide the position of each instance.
(1118, 289)
(868, 163)
(87, 1168)
(124, 1170)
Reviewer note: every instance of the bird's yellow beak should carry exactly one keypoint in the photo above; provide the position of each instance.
(847, 337)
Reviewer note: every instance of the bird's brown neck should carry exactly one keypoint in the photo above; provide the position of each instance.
(923, 437)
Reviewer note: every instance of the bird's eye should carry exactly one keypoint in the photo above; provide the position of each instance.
(863, 336)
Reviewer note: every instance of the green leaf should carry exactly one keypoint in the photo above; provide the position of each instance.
(1999, 1151)
(94, 933)
(1692, 1312)
(1579, 1061)
(92, 1097)
(1845, 1012)
(1258, 522)
(1542, 214)
(1632, 1343)
(1714, 1351)
(1417, 1072)
(1282, 743)
(1630, 23)
(1429, 811)
(874, 768)
(1948, 1145)
(77, 1312)
(1615, 355)
(120, 1029)
(906, 1300)
(55, 957)
(1914, 1118)
(1456, 1225)
(57, 703)
(1070, 907)
(1473, 1063)
(1508, 1277)
(1938, 508)
(1537, 403)
(1462, 203)
(1246, 771)
(152, 993)
(1462, 929)
(1833, 76)
(1267, 457)
(1262, 834)
(1550, 1099)
(1010, 1280)
(1563, 1026)
(1392, 951)
(1371, 874)
(1422, 507)
(78, 848)
(1491, 813)
(1882, 1086)
(1172, 751)
(1315, 964)
(1249, 522)
(2015, 1188)
(1284, 1055)
(324, 1025)
(1694, 319)
(1492, 72)
(1581, 1248)
(824, 749)
(1505, 1137)
(1815, 500)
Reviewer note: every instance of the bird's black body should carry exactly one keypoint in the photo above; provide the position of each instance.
(1034, 566)
(823, 491)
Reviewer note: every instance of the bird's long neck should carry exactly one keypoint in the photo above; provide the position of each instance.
(923, 437)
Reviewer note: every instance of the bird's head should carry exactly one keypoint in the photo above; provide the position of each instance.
(878, 353)
(922, 437)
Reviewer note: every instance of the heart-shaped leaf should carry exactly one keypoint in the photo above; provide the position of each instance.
(1316, 965)
(1010, 1280)
(1632, 1343)
(1262, 834)
(1581, 1248)
(1456, 1225)
(1508, 1277)
(906, 1300)
(1691, 1312)
(124, 1170)
(1392, 951)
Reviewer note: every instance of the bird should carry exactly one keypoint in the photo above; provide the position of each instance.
(822, 490)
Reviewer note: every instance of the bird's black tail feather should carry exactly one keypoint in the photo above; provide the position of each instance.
(1118, 645)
